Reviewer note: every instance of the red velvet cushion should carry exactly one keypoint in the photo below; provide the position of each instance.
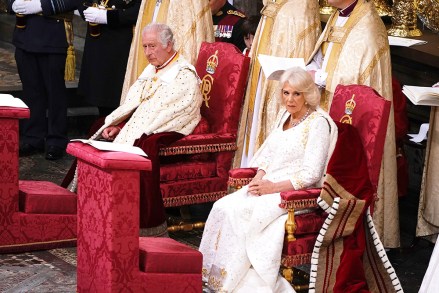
(223, 86)
(43, 197)
(165, 255)
(187, 170)
(370, 117)
(243, 173)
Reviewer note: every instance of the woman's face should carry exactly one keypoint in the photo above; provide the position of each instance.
(294, 101)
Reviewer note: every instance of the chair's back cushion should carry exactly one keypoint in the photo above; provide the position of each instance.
(368, 112)
(223, 70)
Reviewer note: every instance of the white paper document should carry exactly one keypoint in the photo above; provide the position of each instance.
(404, 42)
(424, 96)
(422, 135)
(273, 67)
(112, 147)
(7, 100)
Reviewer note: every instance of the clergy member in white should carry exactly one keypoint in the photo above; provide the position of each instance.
(244, 233)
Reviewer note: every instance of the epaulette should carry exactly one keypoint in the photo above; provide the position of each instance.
(236, 12)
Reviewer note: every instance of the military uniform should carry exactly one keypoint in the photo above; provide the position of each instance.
(227, 26)
(41, 50)
(105, 56)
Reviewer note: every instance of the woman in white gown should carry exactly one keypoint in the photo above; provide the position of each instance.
(243, 237)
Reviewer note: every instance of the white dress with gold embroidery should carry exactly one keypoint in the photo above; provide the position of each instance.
(243, 237)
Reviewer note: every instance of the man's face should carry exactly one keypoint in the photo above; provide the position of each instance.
(340, 4)
(153, 48)
(216, 5)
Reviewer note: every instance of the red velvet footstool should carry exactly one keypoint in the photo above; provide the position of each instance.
(170, 259)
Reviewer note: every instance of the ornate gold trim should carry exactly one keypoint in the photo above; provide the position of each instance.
(193, 198)
(238, 182)
(290, 261)
(198, 149)
(298, 203)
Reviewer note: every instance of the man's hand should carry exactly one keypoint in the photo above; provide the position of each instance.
(261, 187)
(110, 132)
(27, 6)
(96, 15)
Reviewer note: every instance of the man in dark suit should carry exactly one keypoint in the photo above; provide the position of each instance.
(227, 22)
(41, 50)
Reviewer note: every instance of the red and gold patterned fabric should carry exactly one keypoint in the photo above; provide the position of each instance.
(110, 255)
(22, 229)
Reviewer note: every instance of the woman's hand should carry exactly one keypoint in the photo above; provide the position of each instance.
(110, 132)
(261, 187)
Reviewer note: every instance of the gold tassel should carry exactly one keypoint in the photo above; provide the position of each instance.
(69, 73)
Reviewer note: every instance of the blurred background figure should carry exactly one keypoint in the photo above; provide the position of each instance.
(249, 27)
(191, 24)
(227, 23)
(41, 38)
(106, 49)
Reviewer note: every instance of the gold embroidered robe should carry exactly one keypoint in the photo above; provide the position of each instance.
(360, 54)
(288, 28)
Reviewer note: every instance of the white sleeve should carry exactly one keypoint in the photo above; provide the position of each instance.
(315, 156)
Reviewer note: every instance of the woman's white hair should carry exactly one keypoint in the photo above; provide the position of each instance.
(302, 81)
(164, 32)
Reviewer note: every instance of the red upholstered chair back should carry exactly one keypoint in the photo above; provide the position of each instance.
(223, 70)
(368, 112)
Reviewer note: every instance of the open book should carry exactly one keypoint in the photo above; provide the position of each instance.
(7, 100)
(273, 67)
(113, 147)
(425, 96)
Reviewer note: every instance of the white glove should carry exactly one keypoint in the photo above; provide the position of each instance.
(27, 6)
(96, 15)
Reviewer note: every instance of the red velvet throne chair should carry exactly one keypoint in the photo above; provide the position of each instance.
(369, 116)
(195, 168)
(34, 215)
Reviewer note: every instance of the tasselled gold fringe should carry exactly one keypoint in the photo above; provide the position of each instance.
(198, 149)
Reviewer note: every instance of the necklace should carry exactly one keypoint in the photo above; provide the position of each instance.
(293, 124)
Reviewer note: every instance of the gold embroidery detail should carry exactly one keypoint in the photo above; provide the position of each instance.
(212, 63)
(206, 87)
(237, 13)
(218, 237)
(349, 109)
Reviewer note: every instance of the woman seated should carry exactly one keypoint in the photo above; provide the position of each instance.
(244, 233)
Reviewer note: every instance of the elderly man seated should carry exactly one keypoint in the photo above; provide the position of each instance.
(165, 99)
